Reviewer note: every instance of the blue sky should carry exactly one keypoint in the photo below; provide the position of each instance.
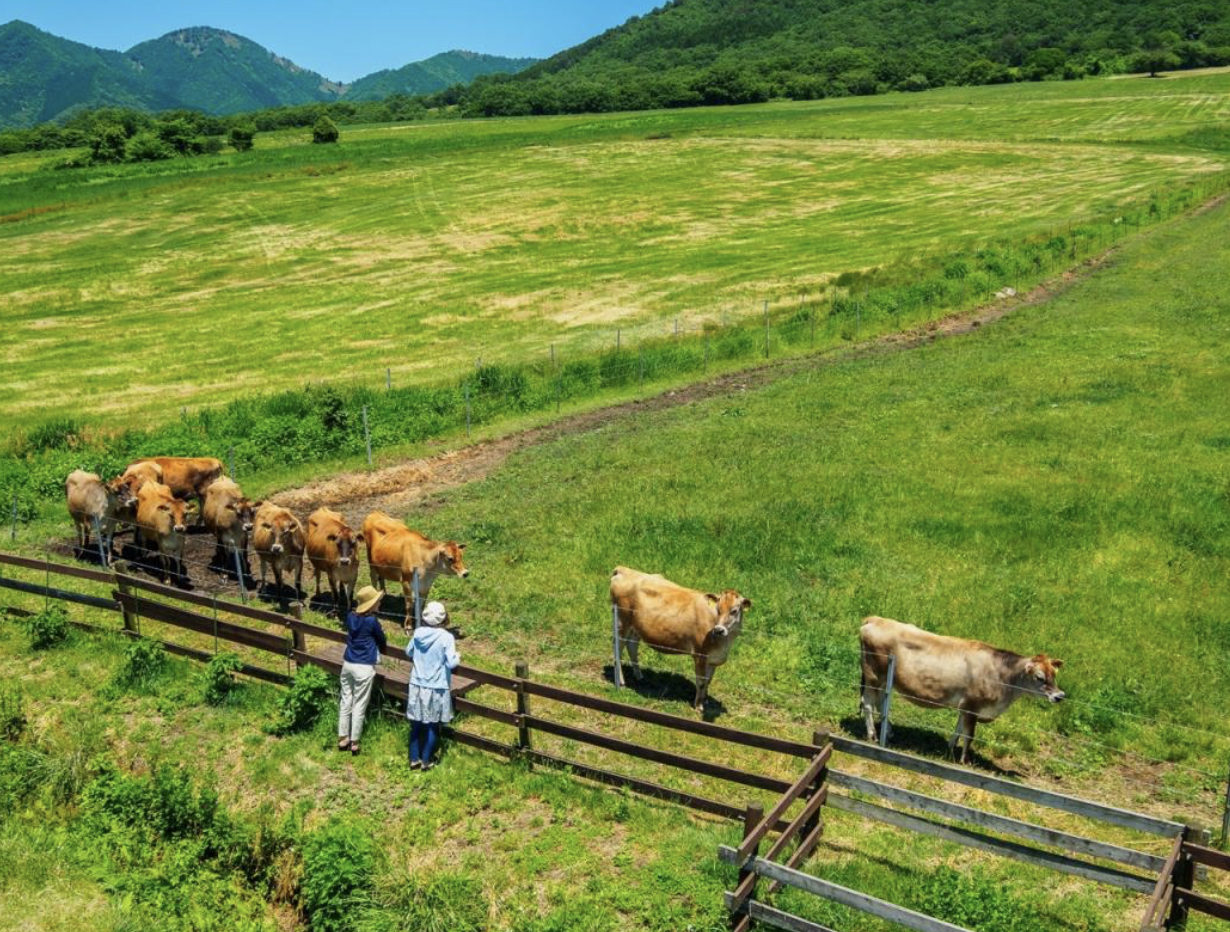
(340, 40)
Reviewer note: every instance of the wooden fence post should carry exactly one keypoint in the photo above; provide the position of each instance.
(819, 739)
(132, 621)
(1184, 879)
(297, 638)
(523, 707)
(752, 817)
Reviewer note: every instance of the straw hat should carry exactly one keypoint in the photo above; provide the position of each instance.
(368, 598)
(434, 614)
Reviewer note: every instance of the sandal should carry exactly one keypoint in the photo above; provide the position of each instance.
(343, 745)
(354, 748)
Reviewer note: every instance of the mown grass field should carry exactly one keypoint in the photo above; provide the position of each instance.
(131, 292)
(1058, 481)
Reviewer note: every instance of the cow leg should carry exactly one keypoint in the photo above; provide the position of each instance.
(316, 572)
(704, 672)
(633, 641)
(299, 579)
(971, 723)
(870, 702)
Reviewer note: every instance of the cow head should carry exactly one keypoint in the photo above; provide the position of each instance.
(730, 607)
(171, 516)
(285, 533)
(347, 543)
(1039, 678)
(448, 560)
(121, 493)
(246, 511)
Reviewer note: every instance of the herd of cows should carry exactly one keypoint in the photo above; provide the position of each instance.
(151, 496)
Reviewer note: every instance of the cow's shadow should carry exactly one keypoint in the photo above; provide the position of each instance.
(144, 561)
(925, 742)
(663, 685)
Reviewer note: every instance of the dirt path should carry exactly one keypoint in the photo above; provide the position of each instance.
(414, 484)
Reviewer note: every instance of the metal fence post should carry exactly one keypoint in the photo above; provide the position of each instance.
(467, 410)
(367, 438)
(418, 603)
(886, 705)
(243, 590)
(558, 382)
(230, 457)
(523, 708)
(102, 550)
(616, 671)
(617, 339)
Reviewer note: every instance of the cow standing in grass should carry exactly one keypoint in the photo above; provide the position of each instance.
(675, 620)
(91, 501)
(333, 549)
(230, 517)
(935, 671)
(279, 541)
(396, 553)
(160, 518)
(188, 477)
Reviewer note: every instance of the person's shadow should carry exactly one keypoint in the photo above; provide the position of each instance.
(672, 687)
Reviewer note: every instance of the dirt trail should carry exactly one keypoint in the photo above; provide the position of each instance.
(414, 484)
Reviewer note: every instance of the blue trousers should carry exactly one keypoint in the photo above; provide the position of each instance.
(424, 737)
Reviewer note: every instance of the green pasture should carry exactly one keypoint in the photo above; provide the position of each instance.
(133, 291)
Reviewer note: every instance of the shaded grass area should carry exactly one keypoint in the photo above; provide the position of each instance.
(133, 291)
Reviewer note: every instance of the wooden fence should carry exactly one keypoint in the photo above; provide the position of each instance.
(1169, 881)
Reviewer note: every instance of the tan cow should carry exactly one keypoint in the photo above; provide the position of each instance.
(394, 552)
(333, 549)
(132, 479)
(278, 540)
(230, 517)
(92, 501)
(160, 519)
(188, 476)
(935, 671)
(675, 620)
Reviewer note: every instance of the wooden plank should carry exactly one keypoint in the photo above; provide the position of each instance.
(666, 720)
(1188, 899)
(256, 673)
(793, 792)
(1082, 807)
(1210, 856)
(60, 595)
(1003, 824)
(1157, 908)
(844, 895)
(801, 854)
(499, 681)
(56, 569)
(316, 631)
(690, 764)
(202, 624)
(470, 707)
(1008, 849)
(746, 886)
(205, 601)
(762, 912)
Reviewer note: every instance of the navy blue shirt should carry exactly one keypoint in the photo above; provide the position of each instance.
(364, 639)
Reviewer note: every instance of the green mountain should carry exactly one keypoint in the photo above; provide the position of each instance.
(734, 51)
(44, 77)
(434, 74)
(219, 72)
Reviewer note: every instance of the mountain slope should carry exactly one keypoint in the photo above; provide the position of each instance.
(219, 72)
(434, 74)
(44, 77)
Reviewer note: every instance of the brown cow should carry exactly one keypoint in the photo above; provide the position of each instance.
(187, 476)
(333, 549)
(230, 517)
(279, 542)
(675, 620)
(91, 501)
(160, 519)
(933, 670)
(394, 552)
(132, 479)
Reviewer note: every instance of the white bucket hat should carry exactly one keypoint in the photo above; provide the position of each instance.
(434, 614)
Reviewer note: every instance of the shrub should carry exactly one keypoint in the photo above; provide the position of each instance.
(301, 706)
(339, 863)
(148, 147)
(324, 131)
(47, 628)
(242, 137)
(144, 662)
(220, 681)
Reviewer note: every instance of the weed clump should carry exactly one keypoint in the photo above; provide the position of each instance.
(48, 628)
(220, 683)
(339, 865)
(302, 706)
(13, 720)
(144, 663)
(442, 902)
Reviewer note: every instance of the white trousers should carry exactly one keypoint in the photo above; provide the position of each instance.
(357, 680)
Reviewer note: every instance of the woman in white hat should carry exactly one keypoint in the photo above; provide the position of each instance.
(433, 652)
(364, 641)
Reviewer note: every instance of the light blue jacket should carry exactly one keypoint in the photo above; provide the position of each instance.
(433, 651)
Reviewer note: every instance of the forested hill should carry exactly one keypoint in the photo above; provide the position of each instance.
(434, 74)
(733, 51)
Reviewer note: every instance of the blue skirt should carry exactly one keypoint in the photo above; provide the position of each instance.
(424, 704)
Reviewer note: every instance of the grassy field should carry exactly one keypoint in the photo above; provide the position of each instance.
(133, 291)
(1058, 482)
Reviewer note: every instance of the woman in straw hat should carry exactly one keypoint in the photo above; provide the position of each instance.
(433, 652)
(364, 641)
